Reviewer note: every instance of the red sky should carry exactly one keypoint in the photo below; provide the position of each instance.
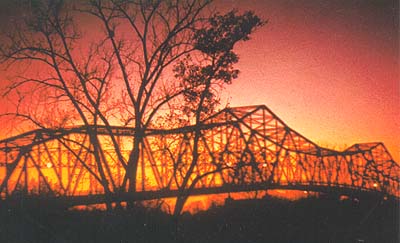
(328, 68)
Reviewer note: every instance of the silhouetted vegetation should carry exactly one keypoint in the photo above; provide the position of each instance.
(272, 220)
(150, 61)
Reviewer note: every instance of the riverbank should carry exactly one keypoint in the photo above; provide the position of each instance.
(273, 220)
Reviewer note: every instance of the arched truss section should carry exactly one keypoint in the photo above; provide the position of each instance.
(240, 149)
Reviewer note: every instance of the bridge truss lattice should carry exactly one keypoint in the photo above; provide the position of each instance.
(240, 149)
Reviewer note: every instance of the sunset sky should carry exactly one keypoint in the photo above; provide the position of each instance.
(328, 68)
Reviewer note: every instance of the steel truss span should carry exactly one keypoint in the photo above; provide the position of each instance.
(240, 149)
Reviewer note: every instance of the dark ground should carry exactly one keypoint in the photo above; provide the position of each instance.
(272, 220)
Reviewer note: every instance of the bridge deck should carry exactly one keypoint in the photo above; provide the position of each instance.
(249, 147)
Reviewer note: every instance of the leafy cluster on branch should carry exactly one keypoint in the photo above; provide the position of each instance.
(224, 31)
(214, 44)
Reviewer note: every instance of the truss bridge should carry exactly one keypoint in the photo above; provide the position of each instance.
(238, 149)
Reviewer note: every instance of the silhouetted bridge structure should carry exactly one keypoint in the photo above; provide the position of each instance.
(240, 149)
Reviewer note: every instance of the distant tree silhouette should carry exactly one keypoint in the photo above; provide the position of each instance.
(117, 72)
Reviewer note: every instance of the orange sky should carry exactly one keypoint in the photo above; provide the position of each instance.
(328, 68)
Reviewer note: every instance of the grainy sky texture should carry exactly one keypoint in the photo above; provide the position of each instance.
(329, 69)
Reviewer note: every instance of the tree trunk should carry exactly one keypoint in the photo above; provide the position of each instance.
(180, 202)
(133, 164)
(104, 182)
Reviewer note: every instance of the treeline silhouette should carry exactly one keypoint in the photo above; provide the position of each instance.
(267, 220)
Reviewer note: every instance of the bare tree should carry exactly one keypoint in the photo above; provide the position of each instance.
(117, 73)
(161, 33)
(47, 39)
